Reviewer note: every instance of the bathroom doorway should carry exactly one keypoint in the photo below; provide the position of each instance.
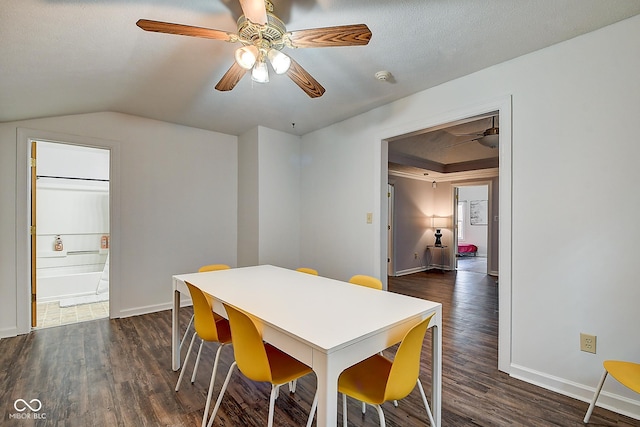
(70, 242)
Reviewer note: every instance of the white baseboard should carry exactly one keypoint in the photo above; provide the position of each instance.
(137, 311)
(613, 402)
(410, 271)
(8, 332)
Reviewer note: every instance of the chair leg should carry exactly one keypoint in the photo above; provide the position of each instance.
(219, 400)
(314, 407)
(213, 377)
(426, 404)
(275, 389)
(186, 331)
(195, 367)
(595, 397)
(344, 410)
(186, 359)
(381, 415)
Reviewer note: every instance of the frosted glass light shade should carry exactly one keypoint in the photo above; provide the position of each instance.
(260, 73)
(279, 61)
(246, 56)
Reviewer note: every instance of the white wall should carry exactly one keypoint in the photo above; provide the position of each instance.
(415, 203)
(248, 199)
(269, 198)
(337, 193)
(279, 198)
(177, 201)
(574, 161)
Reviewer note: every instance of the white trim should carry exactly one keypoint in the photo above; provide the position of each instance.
(23, 258)
(185, 301)
(147, 309)
(410, 271)
(503, 105)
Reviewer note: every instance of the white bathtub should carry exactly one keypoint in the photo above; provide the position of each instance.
(55, 288)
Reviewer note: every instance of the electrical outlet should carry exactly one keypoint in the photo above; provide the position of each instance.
(415, 255)
(369, 217)
(588, 343)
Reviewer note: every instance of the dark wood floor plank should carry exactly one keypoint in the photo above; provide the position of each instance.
(118, 373)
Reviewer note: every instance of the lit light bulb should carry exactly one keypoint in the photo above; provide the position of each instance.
(246, 56)
(260, 73)
(279, 61)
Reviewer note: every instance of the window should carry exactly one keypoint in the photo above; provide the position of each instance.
(461, 215)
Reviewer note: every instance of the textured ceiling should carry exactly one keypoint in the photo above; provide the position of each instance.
(62, 57)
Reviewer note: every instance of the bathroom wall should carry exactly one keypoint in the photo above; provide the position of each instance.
(72, 204)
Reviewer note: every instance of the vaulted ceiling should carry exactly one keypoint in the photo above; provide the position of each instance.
(62, 57)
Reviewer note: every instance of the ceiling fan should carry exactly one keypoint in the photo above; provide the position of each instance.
(489, 138)
(263, 36)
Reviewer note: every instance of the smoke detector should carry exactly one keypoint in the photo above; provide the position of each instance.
(383, 76)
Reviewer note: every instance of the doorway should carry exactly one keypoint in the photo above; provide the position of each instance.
(502, 106)
(70, 241)
(471, 237)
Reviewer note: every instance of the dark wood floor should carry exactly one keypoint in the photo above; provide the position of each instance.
(118, 373)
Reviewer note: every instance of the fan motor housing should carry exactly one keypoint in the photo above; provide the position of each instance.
(269, 35)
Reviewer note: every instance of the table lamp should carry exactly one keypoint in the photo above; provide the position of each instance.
(439, 223)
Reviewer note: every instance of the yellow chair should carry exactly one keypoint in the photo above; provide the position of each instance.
(208, 328)
(213, 267)
(377, 379)
(259, 361)
(368, 281)
(627, 374)
(210, 267)
(307, 270)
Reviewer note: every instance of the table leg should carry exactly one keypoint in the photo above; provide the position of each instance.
(327, 376)
(175, 331)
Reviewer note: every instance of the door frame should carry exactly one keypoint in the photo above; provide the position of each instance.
(502, 104)
(391, 250)
(23, 211)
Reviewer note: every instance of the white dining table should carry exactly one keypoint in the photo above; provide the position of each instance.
(325, 323)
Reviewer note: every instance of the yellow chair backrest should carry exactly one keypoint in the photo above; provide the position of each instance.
(213, 267)
(204, 321)
(307, 270)
(406, 364)
(248, 347)
(368, 281)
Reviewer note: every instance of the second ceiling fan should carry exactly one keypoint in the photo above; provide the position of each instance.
(263, 36)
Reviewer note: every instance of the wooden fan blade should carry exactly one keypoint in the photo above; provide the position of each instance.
(231, 77)
(303, 79)
(254, 11)
(184, 30)
(343, 35)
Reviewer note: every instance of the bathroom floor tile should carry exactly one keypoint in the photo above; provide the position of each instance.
(51, 314)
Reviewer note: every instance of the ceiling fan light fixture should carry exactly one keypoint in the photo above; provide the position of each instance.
(246, 56)
(490, 141)
(260, 73)
(279, 61)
